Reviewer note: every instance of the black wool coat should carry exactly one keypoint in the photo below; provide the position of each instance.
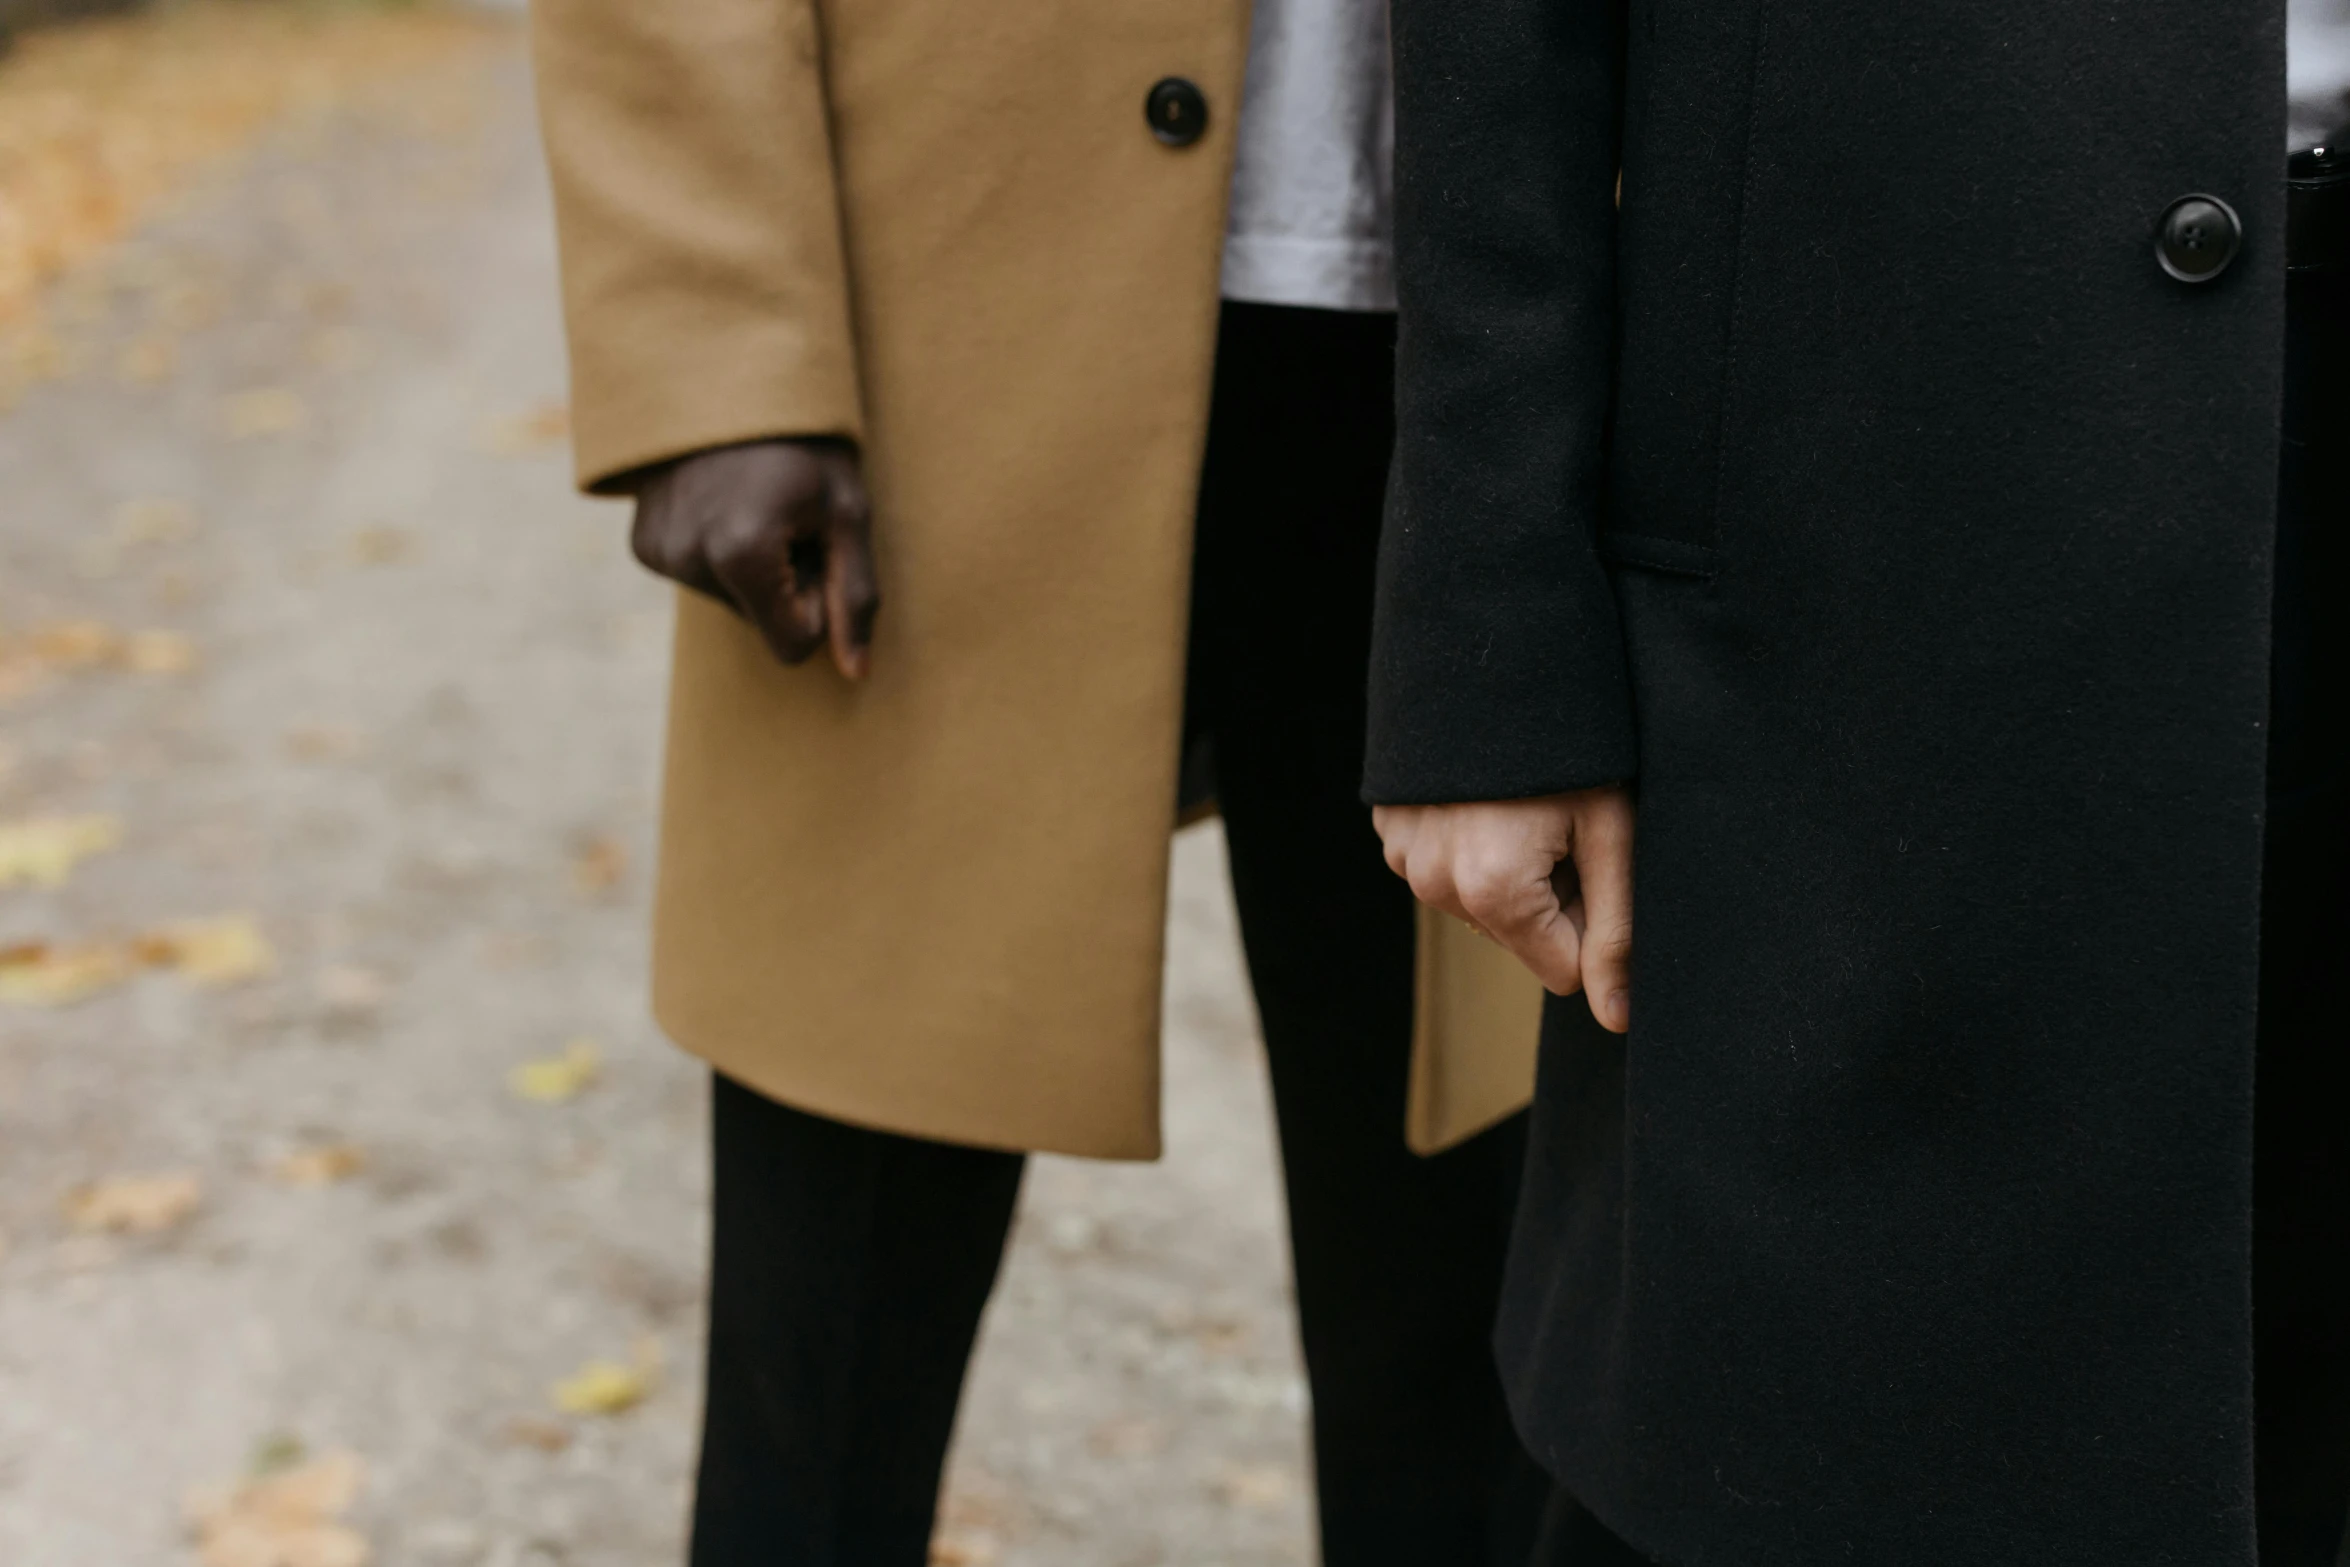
(1868, 491)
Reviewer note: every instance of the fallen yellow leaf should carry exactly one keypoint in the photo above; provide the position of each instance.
(43, 850)
(75, 644)
(321, 1164)
(554, 1079)
(136, 1204)
(227, 949)
(84, 644)
(38, 974)
(275, 1454)
(607, 1387)
(158, 653)
(266, 410)
(288, 1519)
(103, 119)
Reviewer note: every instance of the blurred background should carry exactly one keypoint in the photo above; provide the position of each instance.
(350, 1208)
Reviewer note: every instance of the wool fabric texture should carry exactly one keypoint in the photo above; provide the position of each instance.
(1864, 489)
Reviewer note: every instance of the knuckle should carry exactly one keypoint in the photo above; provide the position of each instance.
(1488, 894)
(734, 538)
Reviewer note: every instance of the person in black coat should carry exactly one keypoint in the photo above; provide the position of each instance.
(1886, 493)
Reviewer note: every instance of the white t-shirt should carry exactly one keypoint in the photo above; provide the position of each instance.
(2317, 69)
(1313, 177)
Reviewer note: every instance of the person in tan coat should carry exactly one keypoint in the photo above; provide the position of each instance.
(1012, 394)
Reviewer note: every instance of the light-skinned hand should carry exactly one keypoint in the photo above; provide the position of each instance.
(1548, 878)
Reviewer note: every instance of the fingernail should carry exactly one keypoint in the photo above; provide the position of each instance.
(1619, 1010)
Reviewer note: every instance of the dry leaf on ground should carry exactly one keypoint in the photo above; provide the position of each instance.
(275, 1454)
(970, 1533)
(289, 1519)
(147, 361)
(227, 949)
(134, 1204)
(74, 645)
(265, 410)
(598, 864)
(158, 653)
(346, 987)
(952, 1547)
(41, 851)
(102, 119)
(553, 1079)
(153, 522)
(545, 1435)
(381, 546)
(519, 434)
(320, 1164)
(40, 974)
(324, 742)
(607, 1387)
(1255, 1485)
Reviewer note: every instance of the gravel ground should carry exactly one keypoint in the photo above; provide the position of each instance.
(418, 747)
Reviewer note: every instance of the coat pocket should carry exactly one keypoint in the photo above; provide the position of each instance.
(1687, 132)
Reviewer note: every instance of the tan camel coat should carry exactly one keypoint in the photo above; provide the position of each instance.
(934, 904)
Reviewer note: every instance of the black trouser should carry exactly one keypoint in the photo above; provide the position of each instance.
(850, 1266)
(2301, 1092)
(2301, 1095)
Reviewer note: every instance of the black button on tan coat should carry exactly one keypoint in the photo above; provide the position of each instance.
(1872, 492)
(933, 904)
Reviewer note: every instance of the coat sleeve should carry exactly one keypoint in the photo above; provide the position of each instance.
(1498, 667)
(704, 285)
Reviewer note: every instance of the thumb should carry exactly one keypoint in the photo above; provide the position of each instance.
(1603, 864)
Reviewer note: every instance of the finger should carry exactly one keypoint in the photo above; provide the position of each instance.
(1548, 944)
(1603, 861)
(1394, 827)
(801, 607)
(851, 599)
(664, 548)
(749, 559)
(1431, 881)
(1515, 904)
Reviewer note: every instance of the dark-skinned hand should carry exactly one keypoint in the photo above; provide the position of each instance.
(778, 531)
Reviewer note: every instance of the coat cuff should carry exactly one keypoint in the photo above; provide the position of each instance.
(1497, 667)
(756, 386)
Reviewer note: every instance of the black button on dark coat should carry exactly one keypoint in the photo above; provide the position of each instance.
(1177, 111)
(2197, 238)
(1869, 492)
